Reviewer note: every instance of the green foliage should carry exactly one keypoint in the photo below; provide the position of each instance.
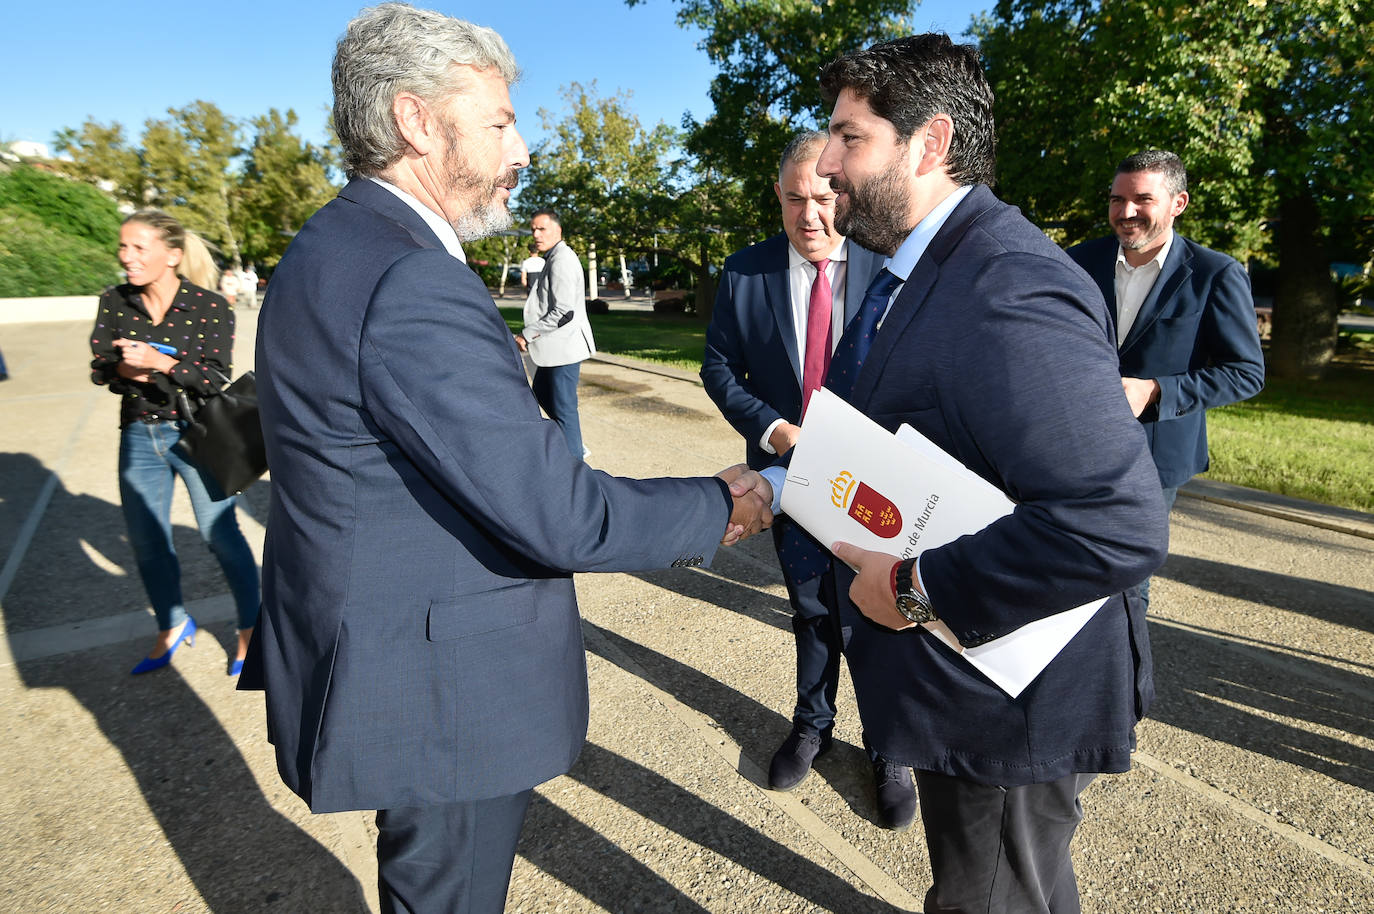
(284, 180)
(246, 200)
(69, 207)
(1265, 101)
(602, 171)
(768, 53)
(37, 259)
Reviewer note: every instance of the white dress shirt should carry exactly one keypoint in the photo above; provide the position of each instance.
(801, 274)
(447, 236)
(1133, 285)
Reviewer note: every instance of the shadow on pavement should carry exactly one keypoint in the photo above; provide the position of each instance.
(1207, 687)
(241, 853)
(1339, 605)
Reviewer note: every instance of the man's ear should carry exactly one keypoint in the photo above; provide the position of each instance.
(1179, 205)
(931, 144)
(415, 123)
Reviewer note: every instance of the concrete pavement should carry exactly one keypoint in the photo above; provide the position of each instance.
(1251, 790)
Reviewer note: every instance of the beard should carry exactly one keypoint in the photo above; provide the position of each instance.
(874, 213)
(484, 210)
(1148, 233)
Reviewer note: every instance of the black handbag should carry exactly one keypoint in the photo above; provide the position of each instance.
(223, 436)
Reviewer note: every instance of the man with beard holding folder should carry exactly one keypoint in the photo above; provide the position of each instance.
(981, 334)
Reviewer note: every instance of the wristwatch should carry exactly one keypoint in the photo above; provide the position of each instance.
(911, 603)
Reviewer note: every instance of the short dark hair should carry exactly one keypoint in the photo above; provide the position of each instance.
(1162, 161)
(547, 211)
(908, 81)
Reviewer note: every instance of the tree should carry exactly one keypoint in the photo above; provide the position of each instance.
(284, 180)
(186, 165)
(769, 52)
(1264, 101)
(100, 153)
(598, 167)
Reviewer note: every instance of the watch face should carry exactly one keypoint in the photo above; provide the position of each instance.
(914, 608)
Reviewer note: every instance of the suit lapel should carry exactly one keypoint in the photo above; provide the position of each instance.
(863, 266)
(917, 288)
(366, 192)
(1178, 266)
(779, 301)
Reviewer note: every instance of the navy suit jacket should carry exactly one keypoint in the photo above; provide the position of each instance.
(419, 640)
(1196, 335)
(751, 367)
(998, 349)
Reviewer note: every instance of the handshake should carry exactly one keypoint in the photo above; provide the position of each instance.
(753, 498)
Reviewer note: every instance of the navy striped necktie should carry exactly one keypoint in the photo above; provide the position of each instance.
(803, 558)
(858, 336)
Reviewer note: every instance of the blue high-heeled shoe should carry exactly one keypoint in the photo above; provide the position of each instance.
(235, 667)
(187, 636)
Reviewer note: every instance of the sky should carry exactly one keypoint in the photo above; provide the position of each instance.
(65, 62)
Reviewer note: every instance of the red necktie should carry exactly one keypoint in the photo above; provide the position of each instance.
(817, 359)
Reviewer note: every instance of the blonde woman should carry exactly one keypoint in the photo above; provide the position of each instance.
(154, 336)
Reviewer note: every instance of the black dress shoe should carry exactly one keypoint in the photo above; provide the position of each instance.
(792, 761)
(896, 793)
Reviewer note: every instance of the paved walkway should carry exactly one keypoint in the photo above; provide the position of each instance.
(1251, 789)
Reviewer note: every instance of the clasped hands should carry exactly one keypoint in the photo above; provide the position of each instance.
(137, 360)
(753, 501)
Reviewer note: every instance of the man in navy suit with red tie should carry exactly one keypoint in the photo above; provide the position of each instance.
(987, 339)
(781, 308)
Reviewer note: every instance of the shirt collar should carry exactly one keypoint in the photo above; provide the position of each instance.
(795, 258)
(904, 261)
(447, 236)
(1158, 259)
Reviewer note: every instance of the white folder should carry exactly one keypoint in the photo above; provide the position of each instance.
(851, 481)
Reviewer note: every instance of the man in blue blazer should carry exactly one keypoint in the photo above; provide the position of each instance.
(997, 348)
(1183, 316)
(420, 643)
(772, 296)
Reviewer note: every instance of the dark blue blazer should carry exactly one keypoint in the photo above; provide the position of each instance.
(419, 640)
(751, 367)
(998, 349)
(1196, 334)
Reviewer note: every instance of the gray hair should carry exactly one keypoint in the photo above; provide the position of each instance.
(396, 48)
(801, 148)
(1158, 160)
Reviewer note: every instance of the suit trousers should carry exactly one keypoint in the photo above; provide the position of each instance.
(555, 387)
(815, 627)
(450, 858)
(1000, 850)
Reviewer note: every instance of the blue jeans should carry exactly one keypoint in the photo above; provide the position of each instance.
(148, 468)
(555, 387)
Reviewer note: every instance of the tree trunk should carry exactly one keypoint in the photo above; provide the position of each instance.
(1306, 303)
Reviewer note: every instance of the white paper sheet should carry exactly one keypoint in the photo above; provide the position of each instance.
(849, 480)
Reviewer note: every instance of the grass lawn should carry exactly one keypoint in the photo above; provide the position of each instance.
(1312, 440)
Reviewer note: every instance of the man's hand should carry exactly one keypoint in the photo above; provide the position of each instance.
(1140, 393)
(872, 588)
(784, 437)
(753, 503)
(143, 358)
(522, 342)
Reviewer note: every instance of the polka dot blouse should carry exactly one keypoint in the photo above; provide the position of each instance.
(199, 326)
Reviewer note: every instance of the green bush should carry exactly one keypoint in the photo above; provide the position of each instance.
(36, 259)
(70, 207)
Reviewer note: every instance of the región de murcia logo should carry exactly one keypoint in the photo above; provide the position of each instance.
(860, 501)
